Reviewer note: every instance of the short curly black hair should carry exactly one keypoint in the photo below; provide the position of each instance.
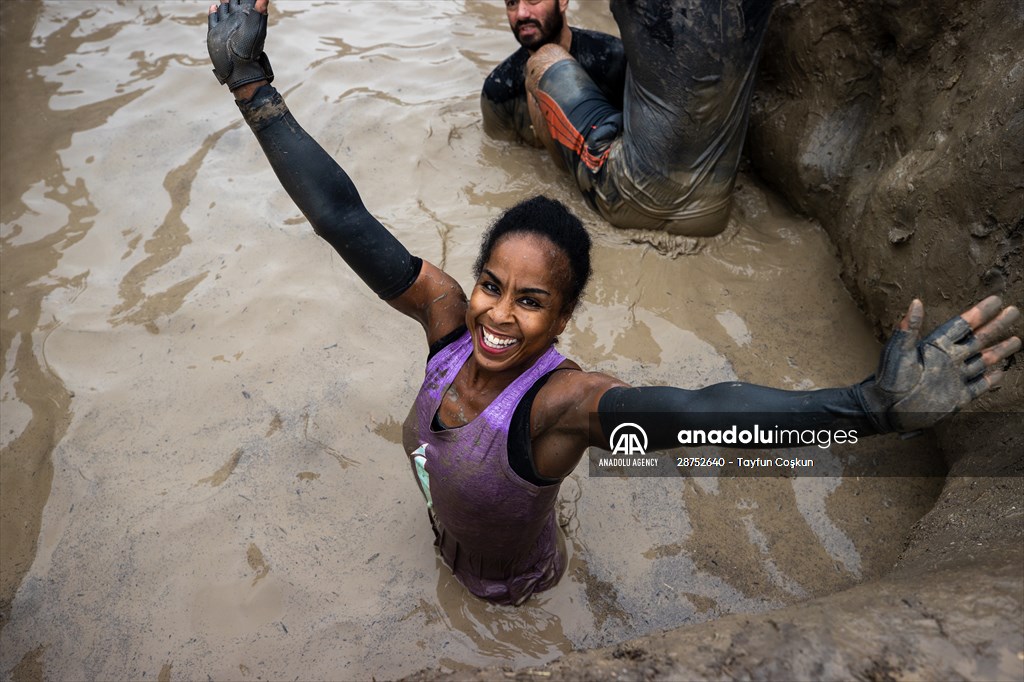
(550, 219)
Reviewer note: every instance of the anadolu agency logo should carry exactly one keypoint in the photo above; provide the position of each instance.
(628, 439)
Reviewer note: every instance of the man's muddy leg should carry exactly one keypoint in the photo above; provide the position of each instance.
(692, 65)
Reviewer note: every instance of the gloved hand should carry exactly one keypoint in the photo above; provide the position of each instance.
(919, 382)
(235, 39)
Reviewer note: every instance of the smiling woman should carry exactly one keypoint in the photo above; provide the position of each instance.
(502, 417)
(517, 307)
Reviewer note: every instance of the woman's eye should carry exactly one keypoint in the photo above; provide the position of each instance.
(530, 302)
(490, 287)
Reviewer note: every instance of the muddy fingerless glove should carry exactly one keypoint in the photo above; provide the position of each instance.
(919, 382)
(235, 40)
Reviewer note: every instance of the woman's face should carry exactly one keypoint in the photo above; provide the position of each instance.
(518, 304)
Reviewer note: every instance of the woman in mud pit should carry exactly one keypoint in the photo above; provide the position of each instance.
(502, 417)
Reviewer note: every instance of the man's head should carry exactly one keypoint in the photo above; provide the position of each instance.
(537, 22)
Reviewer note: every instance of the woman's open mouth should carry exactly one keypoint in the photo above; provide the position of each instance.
(495, 343)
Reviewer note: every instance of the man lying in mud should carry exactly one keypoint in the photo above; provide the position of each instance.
(655, 145)
(502, 417)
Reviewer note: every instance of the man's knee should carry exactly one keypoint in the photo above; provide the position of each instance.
(540, 61)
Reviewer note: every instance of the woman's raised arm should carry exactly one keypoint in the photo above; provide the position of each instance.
(320, 188)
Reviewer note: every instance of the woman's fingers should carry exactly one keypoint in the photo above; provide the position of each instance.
(979, 327)
(999, 352)
(914, 317)
(983, 311)
(993, 355)
(219, 10)
(994, 330)
(985, 383)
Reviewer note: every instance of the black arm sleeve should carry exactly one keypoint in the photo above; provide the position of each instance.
(326, 196)
(662, 411)
(503, 101)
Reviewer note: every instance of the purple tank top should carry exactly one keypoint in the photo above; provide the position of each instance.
(496, 532)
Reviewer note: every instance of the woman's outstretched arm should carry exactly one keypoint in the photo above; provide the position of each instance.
(320, 188)
(918, 382)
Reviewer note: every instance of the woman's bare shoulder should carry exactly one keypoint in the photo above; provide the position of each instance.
(563, 417)
(571, 395)
(435, 300)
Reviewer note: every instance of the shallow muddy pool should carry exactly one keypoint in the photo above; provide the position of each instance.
(220, 398)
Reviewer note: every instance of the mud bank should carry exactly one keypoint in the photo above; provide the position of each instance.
(900, 127)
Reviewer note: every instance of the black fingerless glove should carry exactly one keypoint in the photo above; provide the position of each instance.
(919, 382)
(235, 40)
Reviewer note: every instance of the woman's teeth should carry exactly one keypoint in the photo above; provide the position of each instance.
(496, 341)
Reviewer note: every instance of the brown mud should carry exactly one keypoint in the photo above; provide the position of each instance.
(201, 464)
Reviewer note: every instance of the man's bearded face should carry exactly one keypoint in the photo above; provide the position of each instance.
(536, 24)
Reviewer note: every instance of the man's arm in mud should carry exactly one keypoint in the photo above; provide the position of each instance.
(327, 197)
(503, 104)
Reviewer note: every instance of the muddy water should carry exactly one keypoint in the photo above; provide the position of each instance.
(201, 464)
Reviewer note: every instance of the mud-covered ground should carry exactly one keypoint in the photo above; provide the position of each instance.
(201, 468)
